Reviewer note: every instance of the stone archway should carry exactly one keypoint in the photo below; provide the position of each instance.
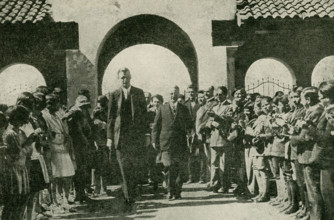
(323, 71)
(269, 75)
(17, 78)
(147, 29)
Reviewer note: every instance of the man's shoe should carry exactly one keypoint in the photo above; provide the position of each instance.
(201, 182)
(263, 199)
(189, 182)
(306, 217)
(222, 190)
(288, 206)
(291, 210)
(178, 196)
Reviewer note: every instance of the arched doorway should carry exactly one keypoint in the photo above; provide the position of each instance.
(154, 69)
(18, 78)
(269, 75)
(323, 71)
(147, 29)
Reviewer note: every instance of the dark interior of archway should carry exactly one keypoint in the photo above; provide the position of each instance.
(148, 29)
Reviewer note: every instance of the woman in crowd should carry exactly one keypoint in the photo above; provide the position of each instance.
(61, 152)
(19, 149)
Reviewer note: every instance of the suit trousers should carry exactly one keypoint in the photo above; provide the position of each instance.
(132, 167)
(220, 168)
(327, 191)
(174, 168)
(312, 180)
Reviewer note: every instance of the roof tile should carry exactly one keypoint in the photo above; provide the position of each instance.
(22, 11)
(284, 8)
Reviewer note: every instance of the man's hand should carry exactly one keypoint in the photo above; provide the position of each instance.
(109, 143)
(154, 146)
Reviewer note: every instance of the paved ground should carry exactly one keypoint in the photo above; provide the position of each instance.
(197, 203)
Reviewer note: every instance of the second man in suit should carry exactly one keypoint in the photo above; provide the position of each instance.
(170, 127)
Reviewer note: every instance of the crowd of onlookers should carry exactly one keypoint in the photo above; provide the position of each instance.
(280, 146)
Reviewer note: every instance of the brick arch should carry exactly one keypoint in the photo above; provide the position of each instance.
(147, 29)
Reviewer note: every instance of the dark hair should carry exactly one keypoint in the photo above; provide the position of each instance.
(26, 99)
(278, 93)
(326, 88)
(39, 100)
(43, 89)
(159, 97)
(223, 89)
(17, 113)
(281, 99)
(3, 108)
(3, 121)
(237, 89)
(103, 100)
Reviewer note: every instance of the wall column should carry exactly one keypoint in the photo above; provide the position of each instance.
(230, 68)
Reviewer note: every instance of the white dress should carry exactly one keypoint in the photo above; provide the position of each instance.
(61, 162)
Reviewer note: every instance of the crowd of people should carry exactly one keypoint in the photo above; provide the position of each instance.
(281, 147)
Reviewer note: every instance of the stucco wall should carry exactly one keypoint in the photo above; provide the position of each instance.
(97, 17)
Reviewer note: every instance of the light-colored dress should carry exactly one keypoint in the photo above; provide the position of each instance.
(16, 174)
(61, 162)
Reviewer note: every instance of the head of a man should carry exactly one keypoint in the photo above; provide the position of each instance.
(266, 104)
(239, 95)
(221, 93)
(294, 98)
(51, 103)
(190, 93)
(201, 97)
(209, 92)
(84, 92)
(174, 94)
(326, 93)
(124, 77)
(157, 100)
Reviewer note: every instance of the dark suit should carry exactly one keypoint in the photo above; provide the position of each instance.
(197, 154)
(126, 128)
(171, 130)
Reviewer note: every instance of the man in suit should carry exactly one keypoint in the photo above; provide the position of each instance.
(193, 144)
(170, 127)
(126, 132)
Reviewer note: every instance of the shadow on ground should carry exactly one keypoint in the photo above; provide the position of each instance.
(146, 206)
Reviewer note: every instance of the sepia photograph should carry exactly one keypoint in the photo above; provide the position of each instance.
(167, 109)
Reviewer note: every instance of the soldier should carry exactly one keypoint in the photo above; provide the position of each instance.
(292, 169)
(236, 137)
(221, 149)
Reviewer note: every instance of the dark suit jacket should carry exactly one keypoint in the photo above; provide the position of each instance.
(305, 141)
(170, 130)
(136, 134)
(192, 110)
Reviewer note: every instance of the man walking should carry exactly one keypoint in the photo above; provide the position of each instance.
(126, 132)
(170, 127)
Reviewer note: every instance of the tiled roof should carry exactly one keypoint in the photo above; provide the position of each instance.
(22, 11)
(284, 9)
